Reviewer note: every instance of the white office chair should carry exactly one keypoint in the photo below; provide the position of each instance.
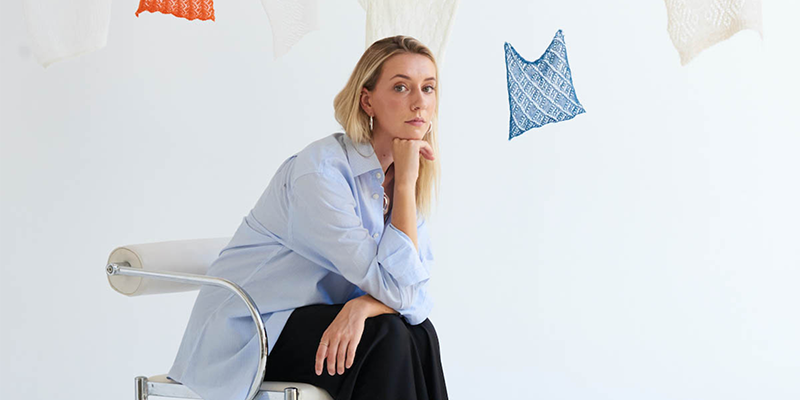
(179, 266)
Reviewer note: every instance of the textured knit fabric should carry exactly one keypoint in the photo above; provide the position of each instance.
(62, 29)
(189, 9)
(695, 25)
(394, 360)
(317, 235)
(429, 21)
(541, 91)
(290, 20)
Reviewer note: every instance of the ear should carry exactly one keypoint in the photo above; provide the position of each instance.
(365, 101)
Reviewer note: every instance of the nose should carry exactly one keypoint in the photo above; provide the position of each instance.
(419, 101)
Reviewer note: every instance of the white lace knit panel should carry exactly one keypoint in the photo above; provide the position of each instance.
(61, 29)
(289, 21)
(428, 21)
(695, 25)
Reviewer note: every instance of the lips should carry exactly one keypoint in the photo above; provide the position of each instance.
(418, 122)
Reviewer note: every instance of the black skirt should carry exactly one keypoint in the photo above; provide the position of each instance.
(394, 359)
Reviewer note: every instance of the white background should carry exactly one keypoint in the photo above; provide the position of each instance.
(647, 249)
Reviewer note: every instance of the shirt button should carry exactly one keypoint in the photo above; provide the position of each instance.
(375, 196)
(375, 236)
(378, 175)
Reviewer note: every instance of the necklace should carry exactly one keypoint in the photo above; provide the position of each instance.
(385, 196)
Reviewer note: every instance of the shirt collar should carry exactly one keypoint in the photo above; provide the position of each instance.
(362, 156)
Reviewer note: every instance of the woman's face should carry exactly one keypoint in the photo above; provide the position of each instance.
(405, 91)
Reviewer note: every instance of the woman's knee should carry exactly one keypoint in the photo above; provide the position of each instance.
(389, 328)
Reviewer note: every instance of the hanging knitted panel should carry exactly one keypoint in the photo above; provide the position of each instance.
(429, 21)
(695, 25)
(541, 91)
(290, 21)
(61, 29)
(189, 9)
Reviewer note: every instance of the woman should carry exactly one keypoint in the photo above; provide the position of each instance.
(336, 253)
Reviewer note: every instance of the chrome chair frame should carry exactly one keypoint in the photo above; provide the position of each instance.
(163, 387)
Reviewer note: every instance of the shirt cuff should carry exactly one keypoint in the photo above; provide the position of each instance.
(420, 310)
(397, 254)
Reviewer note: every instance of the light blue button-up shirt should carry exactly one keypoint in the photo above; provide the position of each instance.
(316, 236)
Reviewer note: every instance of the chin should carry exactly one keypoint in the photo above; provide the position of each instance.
(415, 133)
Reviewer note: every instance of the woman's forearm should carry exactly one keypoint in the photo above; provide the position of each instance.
(404, 211)
(372, 307)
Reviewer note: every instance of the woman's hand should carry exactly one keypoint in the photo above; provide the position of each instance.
(406, 154)
(341, 338)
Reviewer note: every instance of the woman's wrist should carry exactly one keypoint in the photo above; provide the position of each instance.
(405, 187)
(368, 306)
(404, 215)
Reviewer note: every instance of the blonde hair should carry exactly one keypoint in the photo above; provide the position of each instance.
(355, 121)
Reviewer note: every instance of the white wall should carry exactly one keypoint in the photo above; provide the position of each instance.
(647, 249)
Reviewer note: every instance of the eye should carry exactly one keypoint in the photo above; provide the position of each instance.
(399, 86)
(433, 89)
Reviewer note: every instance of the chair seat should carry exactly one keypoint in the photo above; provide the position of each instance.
(160, 385)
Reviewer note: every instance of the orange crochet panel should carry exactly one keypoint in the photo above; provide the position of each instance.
(189, 9)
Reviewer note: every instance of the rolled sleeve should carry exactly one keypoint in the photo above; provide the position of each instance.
(423, 303)
(324, 227)
(395, 251)
(425, 246)
(421, 308)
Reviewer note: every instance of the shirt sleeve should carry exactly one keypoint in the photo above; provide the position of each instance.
(324, 227)
(419, 311)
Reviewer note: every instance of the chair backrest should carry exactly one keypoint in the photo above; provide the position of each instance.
(192, 256)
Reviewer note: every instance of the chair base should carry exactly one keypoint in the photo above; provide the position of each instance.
(160, 385)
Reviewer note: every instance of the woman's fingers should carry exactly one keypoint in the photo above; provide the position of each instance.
(332, 352)
(351, 353)
(321, 351)
(340, 356)
(332, 358)
(426, 150)
(428, 153)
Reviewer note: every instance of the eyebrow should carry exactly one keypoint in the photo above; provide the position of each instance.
(406, 77)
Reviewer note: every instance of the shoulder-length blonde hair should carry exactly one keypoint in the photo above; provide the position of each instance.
(355, 121)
